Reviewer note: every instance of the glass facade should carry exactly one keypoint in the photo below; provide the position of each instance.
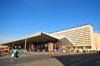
(79, 47)
(65, 43)
(88, 47)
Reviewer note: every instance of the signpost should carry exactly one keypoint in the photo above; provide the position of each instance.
(9, 44)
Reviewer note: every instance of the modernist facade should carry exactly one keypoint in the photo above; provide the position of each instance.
(81, 37)
(96, 41)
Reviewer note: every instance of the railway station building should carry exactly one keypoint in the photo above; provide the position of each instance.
(79, 37)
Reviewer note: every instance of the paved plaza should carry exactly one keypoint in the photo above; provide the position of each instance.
(51, 59)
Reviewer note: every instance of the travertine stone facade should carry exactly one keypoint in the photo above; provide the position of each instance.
(97, 40)
(82, 36)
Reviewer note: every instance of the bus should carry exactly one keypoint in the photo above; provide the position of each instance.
(4, 49)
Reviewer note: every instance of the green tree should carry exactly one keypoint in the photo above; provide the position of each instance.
(74, 47)
(68, 47)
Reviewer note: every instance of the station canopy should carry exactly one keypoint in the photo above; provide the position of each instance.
(38, 37)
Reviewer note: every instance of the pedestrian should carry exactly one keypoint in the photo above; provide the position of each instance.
(17, 52)
(77, 51)
(14, 52)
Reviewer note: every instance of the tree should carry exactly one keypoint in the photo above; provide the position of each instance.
(74, 47)
(68, 47)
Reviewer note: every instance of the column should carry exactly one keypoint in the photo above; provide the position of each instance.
(25, 42)
(32, 47)
(59, 44)
(55, 46)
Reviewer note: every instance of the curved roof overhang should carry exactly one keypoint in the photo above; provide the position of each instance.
(38, 37)
(32, 38)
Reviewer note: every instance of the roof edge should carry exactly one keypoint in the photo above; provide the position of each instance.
(21, 38)
(96, 32)
(71, 28)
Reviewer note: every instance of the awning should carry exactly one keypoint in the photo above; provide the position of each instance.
(32, 38)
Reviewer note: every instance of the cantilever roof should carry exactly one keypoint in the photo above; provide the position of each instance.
(35, 38)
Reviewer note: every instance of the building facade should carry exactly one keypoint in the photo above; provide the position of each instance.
(82, 36)
(96, 41)
(79, 38)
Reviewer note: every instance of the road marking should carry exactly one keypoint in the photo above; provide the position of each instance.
(72, 60)
(82, 61)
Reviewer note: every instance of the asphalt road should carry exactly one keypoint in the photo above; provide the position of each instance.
(56, 59)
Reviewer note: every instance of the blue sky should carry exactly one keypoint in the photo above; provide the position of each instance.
(21, 17)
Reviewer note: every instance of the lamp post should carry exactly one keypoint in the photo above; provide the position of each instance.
(9, 48)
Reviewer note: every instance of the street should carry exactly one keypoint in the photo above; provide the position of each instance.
(55, 59)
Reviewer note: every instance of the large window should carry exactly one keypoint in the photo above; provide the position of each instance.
(88, 47)
(80, 47)
(65, 42)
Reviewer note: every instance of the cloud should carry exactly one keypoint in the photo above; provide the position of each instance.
(3, 39)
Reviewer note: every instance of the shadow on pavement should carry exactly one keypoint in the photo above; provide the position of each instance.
(67, 60)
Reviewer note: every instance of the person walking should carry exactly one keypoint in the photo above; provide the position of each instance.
(17, 52)
(14, 51)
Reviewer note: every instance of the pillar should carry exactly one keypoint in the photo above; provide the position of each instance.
(25, 41)
(59, 44)
(32, 48)
(55, 45)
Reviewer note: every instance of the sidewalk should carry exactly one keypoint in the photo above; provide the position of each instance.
(43, 62)
(5, 55)
(51, 53)
(48, 59)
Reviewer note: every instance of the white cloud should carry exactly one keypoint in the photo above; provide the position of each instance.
(3, 39)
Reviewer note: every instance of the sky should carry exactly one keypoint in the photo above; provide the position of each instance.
(21, 17)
